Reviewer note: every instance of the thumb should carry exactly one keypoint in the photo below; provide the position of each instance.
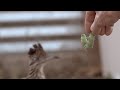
(96, 26)
(89, 18)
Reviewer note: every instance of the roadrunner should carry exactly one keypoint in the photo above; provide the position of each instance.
(38, 59)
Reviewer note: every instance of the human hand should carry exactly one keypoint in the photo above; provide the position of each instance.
(101, 22)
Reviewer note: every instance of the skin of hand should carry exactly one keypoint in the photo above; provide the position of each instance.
(101, 22)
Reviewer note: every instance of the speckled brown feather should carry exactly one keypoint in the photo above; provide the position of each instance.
(38, 58)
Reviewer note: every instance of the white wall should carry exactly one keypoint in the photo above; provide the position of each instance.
(41, 30)
(110, 52)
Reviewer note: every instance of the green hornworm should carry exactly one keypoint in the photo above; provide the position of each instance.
(87, 42)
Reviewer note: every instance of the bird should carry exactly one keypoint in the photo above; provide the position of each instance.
(38, 59)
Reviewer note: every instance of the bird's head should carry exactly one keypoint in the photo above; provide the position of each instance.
(36, 52)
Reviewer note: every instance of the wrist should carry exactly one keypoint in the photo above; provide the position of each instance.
(119, 14)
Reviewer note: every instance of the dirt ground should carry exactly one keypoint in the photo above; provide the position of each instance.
(72, 65)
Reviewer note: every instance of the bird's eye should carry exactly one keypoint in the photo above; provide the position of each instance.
(31, 51)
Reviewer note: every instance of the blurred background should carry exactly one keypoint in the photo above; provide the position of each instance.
(59, 33)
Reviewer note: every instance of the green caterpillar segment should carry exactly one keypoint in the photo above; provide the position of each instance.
(91, 39)
(87, 42)
(84, 39)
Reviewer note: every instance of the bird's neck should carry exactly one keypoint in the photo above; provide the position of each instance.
(36, 69)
